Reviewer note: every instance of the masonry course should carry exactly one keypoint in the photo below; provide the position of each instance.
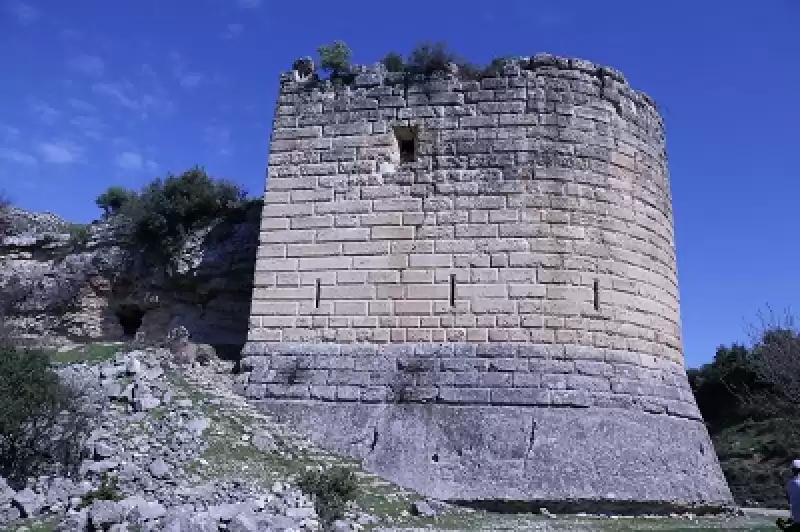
(521, 257)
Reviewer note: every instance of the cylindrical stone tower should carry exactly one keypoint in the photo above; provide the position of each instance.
(471, 285)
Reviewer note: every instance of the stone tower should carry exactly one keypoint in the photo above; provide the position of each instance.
(471, 286)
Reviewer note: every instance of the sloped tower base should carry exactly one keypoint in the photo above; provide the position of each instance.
(614, 444)
(571, 459)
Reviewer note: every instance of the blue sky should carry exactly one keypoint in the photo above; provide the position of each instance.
(95, 93)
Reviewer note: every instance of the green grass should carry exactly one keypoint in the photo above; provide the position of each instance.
(91, 353)
(36, 524)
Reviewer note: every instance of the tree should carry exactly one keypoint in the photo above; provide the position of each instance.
(776, 356)
(157, 221)
(335, 58)
(113, 199)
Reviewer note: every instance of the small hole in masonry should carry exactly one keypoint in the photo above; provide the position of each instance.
(407, 143)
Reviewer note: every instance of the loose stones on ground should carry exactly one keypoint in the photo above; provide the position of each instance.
(146, 431)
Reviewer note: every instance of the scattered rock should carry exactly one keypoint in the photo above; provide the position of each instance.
(133, 367)
(28, 502)
(143, 457)
(104, 513)
(422, 508)
(264, 442)
(205, 354)
(146, 403)
(159, 469)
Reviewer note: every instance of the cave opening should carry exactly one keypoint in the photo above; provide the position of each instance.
(130, 318)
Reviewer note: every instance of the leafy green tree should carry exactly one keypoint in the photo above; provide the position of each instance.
(113, 199)
(335, 58)
(166, 211)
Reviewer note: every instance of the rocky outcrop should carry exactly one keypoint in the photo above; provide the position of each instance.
(64, 283)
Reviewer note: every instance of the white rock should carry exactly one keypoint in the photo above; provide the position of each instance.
(133, 367)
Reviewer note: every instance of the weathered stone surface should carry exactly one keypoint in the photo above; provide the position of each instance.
(473, 453)
(64, 292)
(104, 513)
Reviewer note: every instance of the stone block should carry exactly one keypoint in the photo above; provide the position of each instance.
(464, 395)
(348, 393)
(324, 393)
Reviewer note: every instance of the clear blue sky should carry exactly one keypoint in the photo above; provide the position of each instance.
(98, 92)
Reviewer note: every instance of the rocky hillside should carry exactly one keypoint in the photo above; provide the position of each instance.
(67, 283)
(173, 448)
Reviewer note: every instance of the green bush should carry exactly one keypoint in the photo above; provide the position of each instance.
(157, 221)
(42, 427)
(78, 235)
(331, 489)
(470, 71)
(335, 58)
(108, 491)
(394, 62)
(114, 199)
(429, 58)
(495, 68)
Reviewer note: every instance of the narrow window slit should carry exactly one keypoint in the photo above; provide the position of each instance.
(316, 294)
(452, 290)
(596, 294)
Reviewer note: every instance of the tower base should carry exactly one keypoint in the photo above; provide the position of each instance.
(574, 459)
(568, 428)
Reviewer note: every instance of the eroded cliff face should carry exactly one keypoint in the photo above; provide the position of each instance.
(57, 290)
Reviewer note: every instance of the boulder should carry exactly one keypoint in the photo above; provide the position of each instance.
(28, 503)
(8, 514)
(205, 354)
(264, 442)
(106, 513)
(159, 469)
(146, 403)
(6, 493)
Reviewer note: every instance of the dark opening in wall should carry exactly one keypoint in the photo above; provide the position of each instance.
(407, 143)
(596, 286)
(130, 318)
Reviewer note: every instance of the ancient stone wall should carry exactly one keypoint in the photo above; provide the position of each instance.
(537, 209)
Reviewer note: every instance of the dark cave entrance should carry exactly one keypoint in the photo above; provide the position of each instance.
(130, 318)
